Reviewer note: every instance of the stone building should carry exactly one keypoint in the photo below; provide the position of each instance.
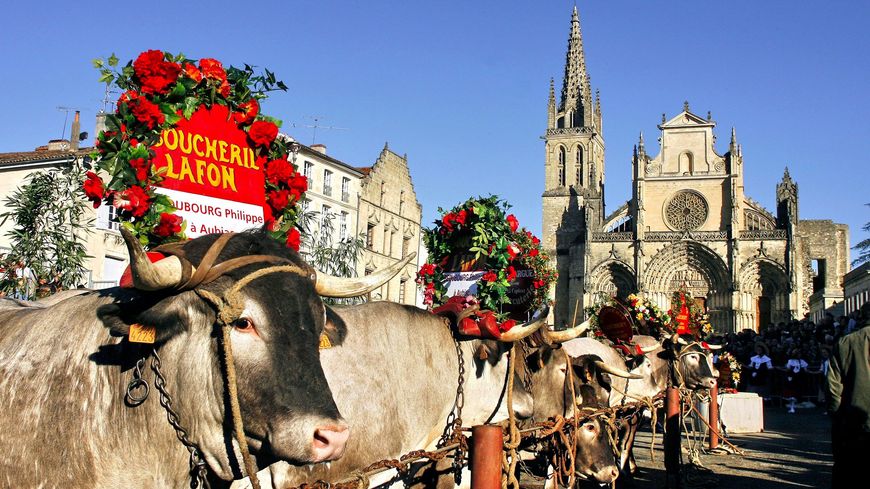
(390, 216)
(688, 222)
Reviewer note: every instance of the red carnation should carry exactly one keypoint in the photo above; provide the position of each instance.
(279, 199)
(154, 73)
(460, 217)
(224, 89)
(533, 252)
(142, 166)
(133, 200)
(511, 273)
(294, 239)
(447, 221)
(490, 277)
(427, 269)
(192, 72)
(279, 171)
(298, 185)
(213, 69)
(147, 112)
(513, 223)
(169, 225)
(262, 133)
(247, 112)
(93, 187)
(513, 250)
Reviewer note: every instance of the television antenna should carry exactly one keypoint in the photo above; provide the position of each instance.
(316, 125)
(67, 110)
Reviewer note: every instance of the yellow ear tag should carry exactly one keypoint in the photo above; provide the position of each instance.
(142, 334)
(324, 342)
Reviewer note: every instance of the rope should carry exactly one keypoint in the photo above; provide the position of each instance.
(648, 402)
(510, 457)
(238, 427)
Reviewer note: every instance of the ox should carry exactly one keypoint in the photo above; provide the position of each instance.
(692, 370)
(394, 377)
(65, 366)
(592, 379)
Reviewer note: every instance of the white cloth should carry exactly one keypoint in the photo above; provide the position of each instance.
(796, 365)
(758, 360)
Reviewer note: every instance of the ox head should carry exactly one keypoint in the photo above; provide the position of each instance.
(277, 320)
(594, 458)
(694, 363)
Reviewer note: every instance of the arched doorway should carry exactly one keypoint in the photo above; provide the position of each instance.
(701, 271)
(613, 279)
(763, 291)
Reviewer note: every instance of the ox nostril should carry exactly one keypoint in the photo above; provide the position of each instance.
(328, 442)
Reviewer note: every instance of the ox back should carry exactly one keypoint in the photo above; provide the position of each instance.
(394, 378)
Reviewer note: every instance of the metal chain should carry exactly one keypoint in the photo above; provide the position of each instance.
(453, 426)
(198, 468)
(131, 397)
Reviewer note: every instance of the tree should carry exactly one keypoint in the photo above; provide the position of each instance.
(863, 246)
(322, 251)
(48, 249)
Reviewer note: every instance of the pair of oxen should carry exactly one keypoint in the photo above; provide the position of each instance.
(66, 364)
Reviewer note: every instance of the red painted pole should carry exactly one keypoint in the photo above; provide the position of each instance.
(486, 448)
(714, 416)
(672, 438)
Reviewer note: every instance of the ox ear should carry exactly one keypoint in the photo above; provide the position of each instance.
(334, 328)
(157, 321)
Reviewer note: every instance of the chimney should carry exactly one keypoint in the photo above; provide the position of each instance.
(101, 124)
(74, 135)
(320, 148)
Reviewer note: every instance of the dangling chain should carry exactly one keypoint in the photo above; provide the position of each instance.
(453, 427)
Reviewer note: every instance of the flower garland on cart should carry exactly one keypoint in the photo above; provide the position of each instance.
(480, 258)
(159, 91)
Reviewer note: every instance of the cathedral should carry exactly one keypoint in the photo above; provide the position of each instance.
(687, 224)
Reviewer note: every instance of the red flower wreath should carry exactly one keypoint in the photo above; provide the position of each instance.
(158, 89)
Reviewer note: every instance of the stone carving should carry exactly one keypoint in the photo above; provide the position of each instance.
(719, 167)
(763, 234)
(686, 211)
(621, 236)
(566, 131)
(694, 235)
(652, 169)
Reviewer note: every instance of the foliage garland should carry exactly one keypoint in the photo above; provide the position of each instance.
(734, 366)
(641, 310)
(699, 321)
(482, 232)
(158, 90)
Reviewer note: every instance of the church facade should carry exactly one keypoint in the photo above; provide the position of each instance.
(687, 224)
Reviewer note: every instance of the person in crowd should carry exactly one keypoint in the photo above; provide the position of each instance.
(849, 394)
(794, 370)
(759, 366)
(824, 366)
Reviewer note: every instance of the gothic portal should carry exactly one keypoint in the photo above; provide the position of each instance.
(688, 222)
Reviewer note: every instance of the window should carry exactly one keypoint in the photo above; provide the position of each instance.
(561, 182)
(342, 226)
(401, 201)
(324, 215)
(387, 241)
(303, 206)
(383, 192)
(345, 189)
(370, 238)
(308, 171)
(107, 218)
(327, 182)
(402, 284)
(579, 176)
(406, 246)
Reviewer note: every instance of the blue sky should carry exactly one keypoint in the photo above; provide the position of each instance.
(461, 86)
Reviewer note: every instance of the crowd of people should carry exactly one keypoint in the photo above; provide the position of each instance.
(789, 360)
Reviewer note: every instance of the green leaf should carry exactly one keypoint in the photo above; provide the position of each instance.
(97, 62)
(107, 77)
(190, 105)
(113, 60)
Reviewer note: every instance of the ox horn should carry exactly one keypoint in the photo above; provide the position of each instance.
(649, 349)
(554, 337)
(148, 276)
(677, 339)
(616, 371)
(520, 331)
(712, 347)
(340, 287)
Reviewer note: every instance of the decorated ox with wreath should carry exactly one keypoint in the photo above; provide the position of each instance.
(229, 327)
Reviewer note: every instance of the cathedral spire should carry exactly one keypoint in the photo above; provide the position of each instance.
(575, 84)
(640, 147)
(733, 145)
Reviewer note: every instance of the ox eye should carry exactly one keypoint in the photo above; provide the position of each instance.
(590, 428)
(244, 325)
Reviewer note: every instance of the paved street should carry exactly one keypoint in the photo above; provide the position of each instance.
(794, 451)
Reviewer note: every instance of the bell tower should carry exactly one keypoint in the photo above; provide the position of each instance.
(573, 199)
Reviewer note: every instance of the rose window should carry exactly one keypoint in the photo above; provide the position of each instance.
(686, 211)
